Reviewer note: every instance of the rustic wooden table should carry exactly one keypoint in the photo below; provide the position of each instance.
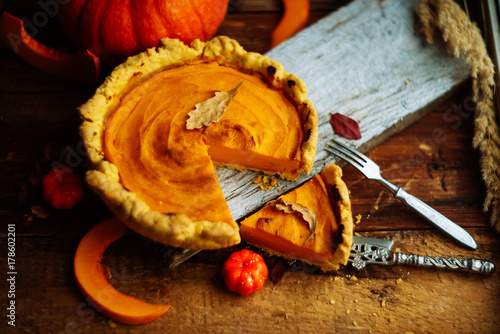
(38, 124)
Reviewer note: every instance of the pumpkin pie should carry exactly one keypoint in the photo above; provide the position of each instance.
(313, 223)
(156, 173)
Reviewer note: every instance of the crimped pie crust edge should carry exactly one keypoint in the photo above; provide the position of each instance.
(103, 177)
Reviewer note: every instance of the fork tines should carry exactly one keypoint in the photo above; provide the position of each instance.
(348, 154)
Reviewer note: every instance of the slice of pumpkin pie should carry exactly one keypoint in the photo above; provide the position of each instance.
(152, 145)
(313, 223)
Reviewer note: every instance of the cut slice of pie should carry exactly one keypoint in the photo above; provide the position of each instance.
(156, 173)
(288, 233)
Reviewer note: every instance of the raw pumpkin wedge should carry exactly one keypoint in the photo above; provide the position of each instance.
(93, 283)
(156, 172)
(294, 18)
(289, 235)
(81, 66)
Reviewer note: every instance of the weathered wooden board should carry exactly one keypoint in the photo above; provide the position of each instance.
(368, 61)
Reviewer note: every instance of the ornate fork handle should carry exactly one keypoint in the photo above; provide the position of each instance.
(470, 264)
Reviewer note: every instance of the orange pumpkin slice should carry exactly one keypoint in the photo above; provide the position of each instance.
(287, 234)
(94, 285)
(157, 175)
(81, 66)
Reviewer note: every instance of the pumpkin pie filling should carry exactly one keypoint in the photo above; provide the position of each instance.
(287, 234)
(156, 173)
(170, 167)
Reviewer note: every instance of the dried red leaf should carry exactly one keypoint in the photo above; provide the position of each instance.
(345, 126)
(277, 272)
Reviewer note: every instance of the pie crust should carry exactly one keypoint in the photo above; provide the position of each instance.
(103, 177)
(287, 234)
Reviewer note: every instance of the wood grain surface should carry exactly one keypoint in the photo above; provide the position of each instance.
(433, 159)
(346, 71)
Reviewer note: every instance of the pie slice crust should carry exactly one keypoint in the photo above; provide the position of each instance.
(215, 228)
(286, 234)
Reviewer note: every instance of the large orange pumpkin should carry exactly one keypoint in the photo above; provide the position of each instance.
(115, 29)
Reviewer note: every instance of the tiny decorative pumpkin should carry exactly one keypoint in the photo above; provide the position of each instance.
(62, 188)
(116, 29)
(244, 272)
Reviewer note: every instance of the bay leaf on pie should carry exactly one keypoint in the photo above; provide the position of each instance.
(291, 207)
(211, 110)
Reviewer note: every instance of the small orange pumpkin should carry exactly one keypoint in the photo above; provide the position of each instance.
(115, 29)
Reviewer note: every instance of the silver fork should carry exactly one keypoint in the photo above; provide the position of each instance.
(372, 171)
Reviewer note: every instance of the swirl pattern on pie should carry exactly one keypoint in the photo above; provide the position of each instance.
(156, 175)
